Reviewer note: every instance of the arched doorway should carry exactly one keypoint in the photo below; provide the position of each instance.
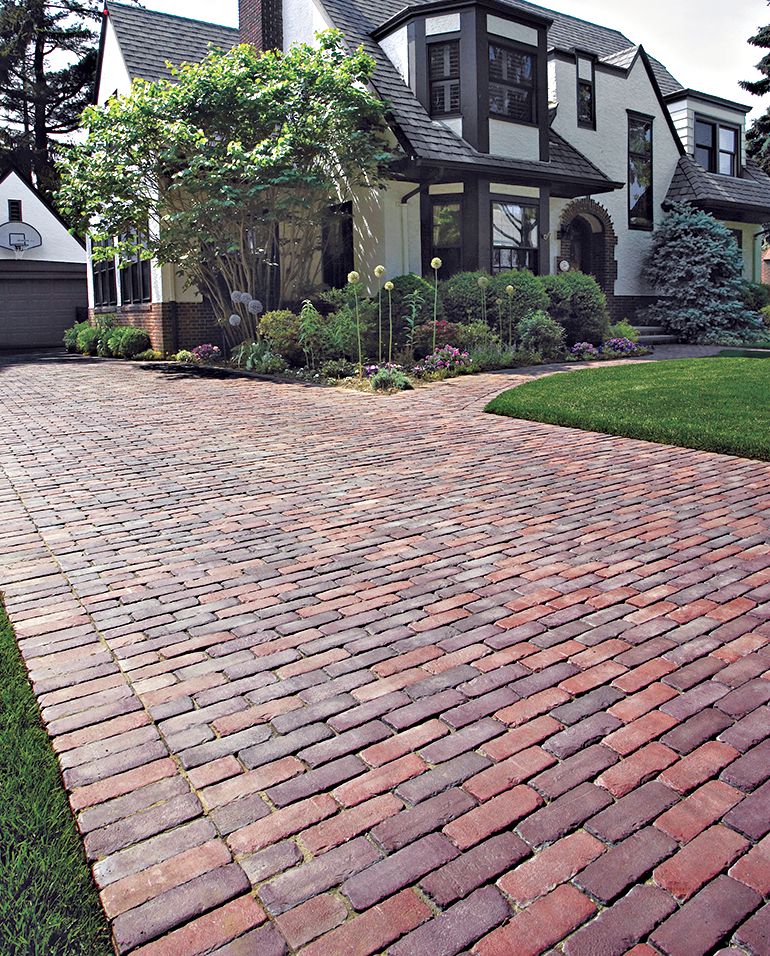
(588, 242)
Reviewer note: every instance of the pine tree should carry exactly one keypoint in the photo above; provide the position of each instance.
(758, 136)
(48, 53)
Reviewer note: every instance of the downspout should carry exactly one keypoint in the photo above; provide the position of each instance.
(405, 228)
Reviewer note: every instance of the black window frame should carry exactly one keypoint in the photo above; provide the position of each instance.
(590, 85)
(446, 79)
(135, 281)
(447, 253)
(520, 50)
(532, 253)
(15, 210)
(715, 149)
(104, 276)
(648, 224)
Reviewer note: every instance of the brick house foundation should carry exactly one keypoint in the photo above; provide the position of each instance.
(170, 325)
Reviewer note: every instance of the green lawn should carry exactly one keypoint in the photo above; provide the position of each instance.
(714, 404)
(48, 902)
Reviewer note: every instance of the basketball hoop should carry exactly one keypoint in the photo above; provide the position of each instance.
(19, 238)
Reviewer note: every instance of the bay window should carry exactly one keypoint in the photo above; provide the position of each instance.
(512, 76)
(444, 74)
(446, 234)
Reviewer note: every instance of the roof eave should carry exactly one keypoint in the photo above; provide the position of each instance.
(413, 10)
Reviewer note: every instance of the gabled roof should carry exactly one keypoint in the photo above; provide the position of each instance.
(8, 169)
(745, 198)
(149, 39)
(624, 60)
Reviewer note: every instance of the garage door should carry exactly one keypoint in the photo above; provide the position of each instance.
(38, 301)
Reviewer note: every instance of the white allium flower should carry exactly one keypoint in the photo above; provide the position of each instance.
(379, 271)
(436, 263)
(353, 277)
(235, 296)
(234, 319)
(255, 307)
(389, 287)
(483, 282)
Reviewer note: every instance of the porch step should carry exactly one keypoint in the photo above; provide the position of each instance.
(655, 335)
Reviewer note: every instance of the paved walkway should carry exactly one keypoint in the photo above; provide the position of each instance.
(343, 675)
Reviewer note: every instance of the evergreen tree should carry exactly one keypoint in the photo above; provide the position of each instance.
(48, 53)
(758, 137)
(696, 269)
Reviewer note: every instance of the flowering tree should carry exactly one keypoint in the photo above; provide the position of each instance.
(229, 170)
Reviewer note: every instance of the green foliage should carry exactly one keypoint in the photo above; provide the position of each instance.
(390, 380)
(528, 294)
(257, 357)
(696, 269)
(445, 333)
(221, 154)
(338, 368)
(150, 355)
(404, 287)
(184, 355)
(623, 330)
(463, 298)
(48, 902)
(578, 304)
(281, 328)
(71, 336)
(490, 357)
(476, 336)
(765, 313)
(125, 341)
(715, 404)
(311, 333)
(540, 333)
(756, 296)
(87, 339)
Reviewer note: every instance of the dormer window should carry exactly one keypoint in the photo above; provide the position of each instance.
(444, 72)
(716, 147)
(511, 84)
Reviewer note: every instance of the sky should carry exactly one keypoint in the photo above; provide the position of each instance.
(702, 42)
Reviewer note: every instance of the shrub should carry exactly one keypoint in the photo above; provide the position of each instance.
(258, 357)
(71, 336)
(623, 330)
(540, 333)
(577, 303)
(765, 313)
(281, 328)
(462, 297)
(87, 339)
(125, 341)
(585, 350)
(184, 356)
(338, 368)
(402, 287)
(476, 336)
(206, 353)
(696, 269)
(446, 334)
(528, 296)
(390, 380)
(490, 357)
(150, 355)
(756, 296)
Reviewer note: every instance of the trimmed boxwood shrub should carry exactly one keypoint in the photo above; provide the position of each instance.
(71, 336)
(462, 297)
(528, 296)
(756, 296)
(540, 333)
(281, 329)
(578, 304)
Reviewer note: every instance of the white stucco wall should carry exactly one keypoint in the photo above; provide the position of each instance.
(302, 19)
(513, 139)
(114, 77)
(607, 147)
(58, 245)
(386, 232)
(751, 248)
(396, 47)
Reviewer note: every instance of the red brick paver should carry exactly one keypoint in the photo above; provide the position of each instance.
(329, 673)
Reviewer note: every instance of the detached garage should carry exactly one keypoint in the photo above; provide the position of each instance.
(43, 287)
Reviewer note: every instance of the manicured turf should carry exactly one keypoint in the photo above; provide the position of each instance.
(714, 404)
(48, 902)
(745, 353)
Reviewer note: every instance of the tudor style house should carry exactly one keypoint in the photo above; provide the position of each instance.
(526, 138)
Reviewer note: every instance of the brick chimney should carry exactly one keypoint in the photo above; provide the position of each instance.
(261, 23)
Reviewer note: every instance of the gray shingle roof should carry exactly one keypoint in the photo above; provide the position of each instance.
(745, 195)
(624, 60)
(149, 39)
(431, 140)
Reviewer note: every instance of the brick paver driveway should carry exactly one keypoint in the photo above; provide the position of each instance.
(343, 675)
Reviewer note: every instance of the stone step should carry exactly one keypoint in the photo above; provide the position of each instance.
(650, 329)
(661, 339)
